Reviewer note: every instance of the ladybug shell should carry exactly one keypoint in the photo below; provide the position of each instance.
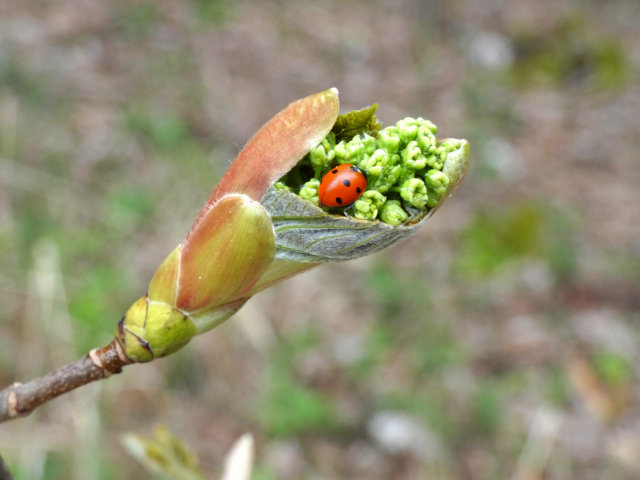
(342, 186)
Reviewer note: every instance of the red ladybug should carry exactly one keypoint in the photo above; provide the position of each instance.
(342, 186)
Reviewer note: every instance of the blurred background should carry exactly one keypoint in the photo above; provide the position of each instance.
(501, 341)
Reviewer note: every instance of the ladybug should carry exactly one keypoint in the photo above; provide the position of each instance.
(342, 186)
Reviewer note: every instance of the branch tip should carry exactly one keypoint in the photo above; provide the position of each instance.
(20, 399)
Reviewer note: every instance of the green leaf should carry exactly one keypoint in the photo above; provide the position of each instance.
(357, 122)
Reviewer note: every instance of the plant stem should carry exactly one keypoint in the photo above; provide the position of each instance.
(22, 398)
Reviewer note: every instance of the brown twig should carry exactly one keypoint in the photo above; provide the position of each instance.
(22, 398)
(5, 474)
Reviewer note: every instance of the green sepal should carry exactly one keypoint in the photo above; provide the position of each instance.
(151, 330)
(167, 329)
(393, 213)
(135, 347)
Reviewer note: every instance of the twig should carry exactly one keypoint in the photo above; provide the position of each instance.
(5, 474)
(22, 398)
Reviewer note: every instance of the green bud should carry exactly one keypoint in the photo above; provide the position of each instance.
(318, 157)
(329, 141)
(451, 144)
(281, 186)
(426, 139)
(145, 340)
(392, 213)
(366, 207)
(309, 191)
(437, 158)
(439, 153)
(414, 193)
(406, 159)
(389, 140)
(412, 156)
(369, 143)
(355, 151)
(341, 152)
(374, 163)
(436, 183)
(428, 124)
(382, 169)
(322, 155)
(407, 129)
(387, 179)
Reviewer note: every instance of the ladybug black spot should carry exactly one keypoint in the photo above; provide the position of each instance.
(338, 200)
(358, 189)
(334, 171)
(355, 169)
(346, 183)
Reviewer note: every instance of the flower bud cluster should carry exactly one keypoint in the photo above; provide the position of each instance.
(403, 165)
